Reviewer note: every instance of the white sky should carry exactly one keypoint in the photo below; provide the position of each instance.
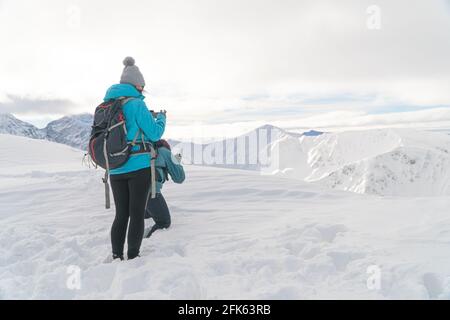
(229, 65)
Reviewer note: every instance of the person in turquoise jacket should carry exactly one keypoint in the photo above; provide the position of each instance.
(166, 165)
(131, 182)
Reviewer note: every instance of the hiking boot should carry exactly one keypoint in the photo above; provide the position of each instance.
(133, 255)
(116, 256)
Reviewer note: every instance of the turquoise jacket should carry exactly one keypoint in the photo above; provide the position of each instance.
(167, 162)
(137, 117)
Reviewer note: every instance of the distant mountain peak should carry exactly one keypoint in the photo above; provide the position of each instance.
(268, 127)
(73, 130)
(312, 133)
(9, 117)
(9, 124)
(6, 115)
(83, 117)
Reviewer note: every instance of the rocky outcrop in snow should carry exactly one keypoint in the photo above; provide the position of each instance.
(396, 162)
(11, 125)
(72, 130)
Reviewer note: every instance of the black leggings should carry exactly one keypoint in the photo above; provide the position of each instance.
(158, 210)
(131, 191)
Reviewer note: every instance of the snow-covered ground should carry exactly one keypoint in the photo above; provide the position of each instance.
(235, 234)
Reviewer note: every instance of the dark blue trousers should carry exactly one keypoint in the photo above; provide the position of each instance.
(158, 210)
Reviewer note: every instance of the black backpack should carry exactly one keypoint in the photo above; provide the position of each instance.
(108, 145)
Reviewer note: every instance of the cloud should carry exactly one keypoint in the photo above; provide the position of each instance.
(232, 60)
(347, 120)
(435, 118)
(29, 106)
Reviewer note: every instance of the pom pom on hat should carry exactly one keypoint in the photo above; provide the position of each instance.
(131, 73)
(129, 61)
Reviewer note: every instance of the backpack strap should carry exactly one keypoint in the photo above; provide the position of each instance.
(152, 165)
(106, 178)
(152, 153)
(153, 170)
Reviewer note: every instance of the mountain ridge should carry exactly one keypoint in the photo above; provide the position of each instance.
(382, 162)
(73, 130)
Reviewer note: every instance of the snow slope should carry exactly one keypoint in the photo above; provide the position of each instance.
(235, 234)
(22, 156)
(384, 162)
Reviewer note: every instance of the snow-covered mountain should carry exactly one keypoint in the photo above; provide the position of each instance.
(11, 125)
(75, 131)
(387, 162)
(243, 152)
(71, 130)
(313, 133)
(398, 162)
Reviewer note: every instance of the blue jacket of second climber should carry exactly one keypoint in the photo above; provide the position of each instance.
(137, 117)
(167, 161)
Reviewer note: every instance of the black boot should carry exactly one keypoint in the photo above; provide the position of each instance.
(133, 254)
(116, 256)
(157, 227)
(153, 229)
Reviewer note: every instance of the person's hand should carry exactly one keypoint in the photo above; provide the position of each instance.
(155, 114)
(178, 156)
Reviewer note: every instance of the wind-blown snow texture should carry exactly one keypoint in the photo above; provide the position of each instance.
(235, 234)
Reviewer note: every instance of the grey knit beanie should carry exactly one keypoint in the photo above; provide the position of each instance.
(131, 73)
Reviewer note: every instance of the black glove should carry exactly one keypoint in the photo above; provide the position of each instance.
(155, 114)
